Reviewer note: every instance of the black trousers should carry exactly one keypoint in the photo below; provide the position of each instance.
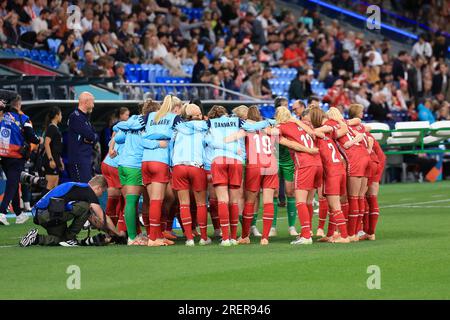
(12, 169)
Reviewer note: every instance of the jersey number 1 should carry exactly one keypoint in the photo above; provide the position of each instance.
(265, 142)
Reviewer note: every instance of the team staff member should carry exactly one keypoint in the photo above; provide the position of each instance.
(70, 201)
(16, 133)
(53, 163)
(81, 140)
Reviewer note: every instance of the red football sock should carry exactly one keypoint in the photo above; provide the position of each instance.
(353, 203)
(202, 216)
(194, 216)
(361, 206)
(304, 218)
(234, 220)
(214, 214)
(374, 212)
(323, 210)
(155, 219)
(311, 213)
(268, 211)
(339, 219)
(247, 218)
(186, 220)
(345, 209)
(111, 208)
(366, 215)
(331, 225)
(224, 216)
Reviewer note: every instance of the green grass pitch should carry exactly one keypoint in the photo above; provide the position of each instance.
(412, 251)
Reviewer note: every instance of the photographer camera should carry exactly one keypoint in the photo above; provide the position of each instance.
(16, 134)
(76, 202)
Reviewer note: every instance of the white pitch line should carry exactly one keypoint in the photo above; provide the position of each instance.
(413, 204)
(9, 246)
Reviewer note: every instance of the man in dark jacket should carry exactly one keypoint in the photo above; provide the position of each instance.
(300, 87)
(343, 64)
(199, 68)
(81, 139)
(399, 66)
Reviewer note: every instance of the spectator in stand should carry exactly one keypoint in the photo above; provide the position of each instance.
(12, 29)
(68, 48)
(266, 89)
(94, 46)
(323, 53)
(425, 111)
(343, 65)
(443, 112)
(252, 86)
(293, 56)
(300, 88)
(90, 68)
(59, 22)
(361, 96)
(440, 47)
(399, 66)
(422, 48)
(415, 79)
(337, 95)
(378, 108)
(87, 20)
(412, 112)
(173, 61)
(156, 51)
(201, 65)
(40, 23)
(3, 36)
(441, 82)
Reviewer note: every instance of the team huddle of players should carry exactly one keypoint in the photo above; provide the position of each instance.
(180, 160)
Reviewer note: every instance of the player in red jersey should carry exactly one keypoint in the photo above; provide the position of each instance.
(261, 172)
(358, 159)
(335, 179)
(377, 162)
(308, 167)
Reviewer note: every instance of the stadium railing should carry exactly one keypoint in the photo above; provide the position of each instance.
(185, 91)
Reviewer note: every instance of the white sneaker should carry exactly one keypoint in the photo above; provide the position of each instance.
(255, 232)
(361, 233)
(225, 243)
(69, 243)
(217, 233)
(233, 242)
(292, 231)
(22, 218)
(3, 219)
(29, 239)
(205, 242)
(273, 232)
(301, 240)
(190, 243)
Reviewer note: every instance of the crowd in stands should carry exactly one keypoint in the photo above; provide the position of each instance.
(234, 44)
